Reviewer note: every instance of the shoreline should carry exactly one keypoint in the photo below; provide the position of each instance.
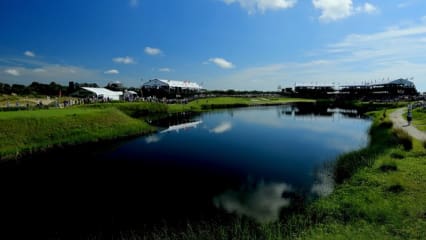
(85, 124)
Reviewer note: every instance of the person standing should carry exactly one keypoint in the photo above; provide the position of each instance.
(409, 115)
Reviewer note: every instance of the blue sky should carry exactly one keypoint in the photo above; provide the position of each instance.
(223, 44)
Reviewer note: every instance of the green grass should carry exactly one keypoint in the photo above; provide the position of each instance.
(376, 203)
(230, 102)
(24, 132)
(419, 118)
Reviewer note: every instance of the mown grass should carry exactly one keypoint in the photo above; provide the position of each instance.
(419, 118)
(133, 109)
(230, 102)
(24, 132)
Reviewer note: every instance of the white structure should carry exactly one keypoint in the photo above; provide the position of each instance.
(182, 126)
(169, 88)
(103, 93)
(171, 84)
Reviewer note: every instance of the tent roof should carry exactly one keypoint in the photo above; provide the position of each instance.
(401, 81)
(181, 84)
(102, 91)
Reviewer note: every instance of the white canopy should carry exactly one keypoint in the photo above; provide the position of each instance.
(172, 84)
(105, 93)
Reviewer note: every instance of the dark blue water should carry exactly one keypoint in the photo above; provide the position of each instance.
(241, 161)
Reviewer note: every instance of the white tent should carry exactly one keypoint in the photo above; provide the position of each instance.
(104, 93)
(156, 83)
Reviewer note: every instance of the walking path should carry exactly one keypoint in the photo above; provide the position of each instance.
(400, 122)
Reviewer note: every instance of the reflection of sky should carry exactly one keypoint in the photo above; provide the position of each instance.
(262, 202)
(221, 128)
(341, 127)
(259, 142)
(152, 139)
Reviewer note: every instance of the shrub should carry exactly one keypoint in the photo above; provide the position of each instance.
(348, 164)
(386, 124)
(388, 165)
(404, 139)
(397, 155)
(396, 188)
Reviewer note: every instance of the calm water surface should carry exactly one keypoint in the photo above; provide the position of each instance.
(242, 161)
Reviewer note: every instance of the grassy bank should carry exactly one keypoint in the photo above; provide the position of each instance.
(230, 102)
(24, 132)
(383, 200)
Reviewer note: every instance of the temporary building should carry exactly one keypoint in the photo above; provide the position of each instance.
(99, 93)
(171, 84)
(169, 88)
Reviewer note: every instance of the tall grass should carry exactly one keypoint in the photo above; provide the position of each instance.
(381, 139)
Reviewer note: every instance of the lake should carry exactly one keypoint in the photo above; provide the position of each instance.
(245, 161)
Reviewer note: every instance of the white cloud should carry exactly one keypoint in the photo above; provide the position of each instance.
(221, 128)
(112, 71)
(222, 63)
(332, 10)
(13, 72)
(369, 8)
(134, 3)
(29, 54)
(33, 70)
(124, 60)
(164, 69)
(262, 202)
(152, 51)
(152, 139)
(324, 183)
(392, 53)
(407, 3)
(253, 6)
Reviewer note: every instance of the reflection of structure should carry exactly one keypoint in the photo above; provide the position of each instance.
(182, 126)
(169, 88)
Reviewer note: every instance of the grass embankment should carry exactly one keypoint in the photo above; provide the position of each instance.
(381, 195)
(230, 102)
(24, 132)
(385, 196)
(419, 118)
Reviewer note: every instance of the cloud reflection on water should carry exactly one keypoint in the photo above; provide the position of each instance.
(324, 183)
(262, 202)
(221, 128)
(152, 139)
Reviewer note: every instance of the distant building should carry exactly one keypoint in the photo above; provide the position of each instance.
(390, 90)
(169, 88)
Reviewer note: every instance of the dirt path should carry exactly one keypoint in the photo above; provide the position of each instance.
(400, 122)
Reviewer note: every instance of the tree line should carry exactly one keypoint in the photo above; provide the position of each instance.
(36, 88)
